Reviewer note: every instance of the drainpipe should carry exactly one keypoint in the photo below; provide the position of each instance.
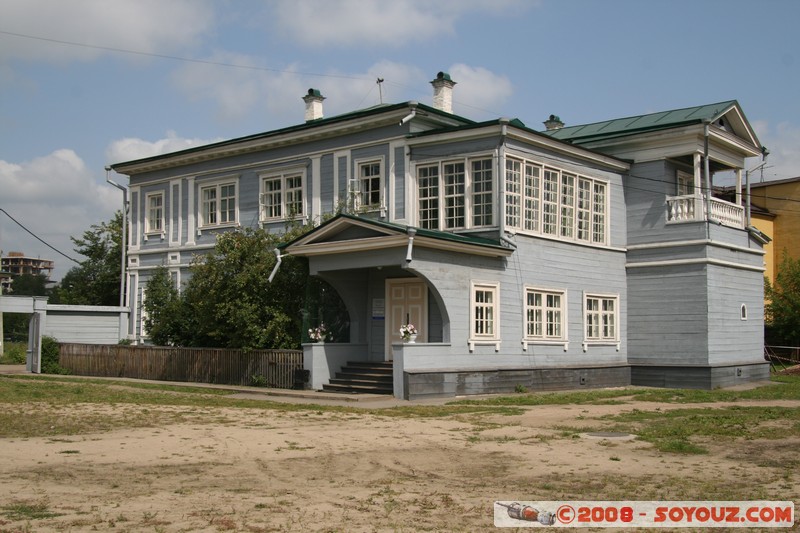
(707, 172)
(501, 159)
(411, 232)
(124, 190)
(412, 114)
(277, 265)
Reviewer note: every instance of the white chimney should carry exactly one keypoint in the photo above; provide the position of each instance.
(443, 92)
(313, 102)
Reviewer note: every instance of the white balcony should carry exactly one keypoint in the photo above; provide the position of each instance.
(692, 208)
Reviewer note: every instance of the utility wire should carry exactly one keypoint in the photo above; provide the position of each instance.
(38, 238)
(178, 58)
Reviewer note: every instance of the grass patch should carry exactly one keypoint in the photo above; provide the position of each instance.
(28, 511)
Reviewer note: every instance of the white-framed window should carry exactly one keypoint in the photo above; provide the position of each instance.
(545, 314)
(685, 183)
(282, 195)
(154, 214)
(454, 195)
(555, 203)
(484, 311)
(601, 318)
(218, 204)
(368, 195)
(428, 196)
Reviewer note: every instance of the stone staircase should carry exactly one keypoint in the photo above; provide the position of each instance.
(363, 378)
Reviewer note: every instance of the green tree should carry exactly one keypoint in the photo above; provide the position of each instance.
(96, 280)
(229, 301)
(29, 285)
(163, 310)
(782, 311)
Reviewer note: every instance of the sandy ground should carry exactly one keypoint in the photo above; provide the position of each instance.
(255, 470)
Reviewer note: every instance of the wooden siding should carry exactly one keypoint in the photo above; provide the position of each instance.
(421, 385)
(706, 378)
(198, 365)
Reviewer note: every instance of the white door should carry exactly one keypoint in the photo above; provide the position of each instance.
(406, 303)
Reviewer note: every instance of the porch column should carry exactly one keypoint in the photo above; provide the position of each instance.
(738, 186)
(698, 172)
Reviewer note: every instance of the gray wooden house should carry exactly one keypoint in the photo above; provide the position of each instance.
(579, 256)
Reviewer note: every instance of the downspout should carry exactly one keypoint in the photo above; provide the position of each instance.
(411, 232)
(412, 114)
(277, 265)
(501, 158)
(122, 295)
(707, 172)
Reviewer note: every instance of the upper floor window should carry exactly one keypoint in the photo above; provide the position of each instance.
(282, 196)
(218, 204)
(549, 201)
(685, 183)
(369, 185)
(456, 195)
(154, 215)
(601, 317)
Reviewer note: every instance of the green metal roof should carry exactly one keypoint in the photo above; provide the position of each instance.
(641, 123)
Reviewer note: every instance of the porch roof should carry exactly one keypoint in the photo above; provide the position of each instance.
(382, 234)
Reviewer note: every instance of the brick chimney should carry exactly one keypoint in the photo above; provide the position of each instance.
(553, 123)
(313, 102)
(443, 92)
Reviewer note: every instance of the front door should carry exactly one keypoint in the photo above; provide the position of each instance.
(407, 303)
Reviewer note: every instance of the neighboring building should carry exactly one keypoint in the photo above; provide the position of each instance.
(580, 256)
(16, 264)
(775, 211)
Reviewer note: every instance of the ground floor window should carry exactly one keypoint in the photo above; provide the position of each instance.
(545, 314)
(484, 311)
(601, 317)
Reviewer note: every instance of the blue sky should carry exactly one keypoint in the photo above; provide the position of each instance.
(143, 77)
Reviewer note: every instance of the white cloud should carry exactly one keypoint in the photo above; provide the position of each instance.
(150, 26)
(478, 89)
(131, 148)
(55, 196)
(360, 23)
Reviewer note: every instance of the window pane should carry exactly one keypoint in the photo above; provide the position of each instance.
(550, 202)
(210, 205)
(513, 195)
(567, 205)
(532, 197)
(428, 194)
(294, 196)
(482, 193)
(454, 201)
(599, 213)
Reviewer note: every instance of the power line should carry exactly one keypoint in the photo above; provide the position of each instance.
(38, 238)
(178, 58)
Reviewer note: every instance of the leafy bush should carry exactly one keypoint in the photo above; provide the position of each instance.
(14, 353)
(50, 353)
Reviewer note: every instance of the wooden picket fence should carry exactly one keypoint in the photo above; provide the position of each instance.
(271, 368)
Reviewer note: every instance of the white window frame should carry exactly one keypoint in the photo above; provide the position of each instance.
(283, 177)
(545, 338)
(217, 186)
(603, 338)
(149, 227)
(482, 338)
(457, 200)
(555, 203)
(359, 180)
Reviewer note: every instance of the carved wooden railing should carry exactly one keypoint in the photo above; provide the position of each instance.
(691, 208)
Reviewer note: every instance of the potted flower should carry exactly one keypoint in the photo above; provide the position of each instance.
(408, 332)
(318, 334)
